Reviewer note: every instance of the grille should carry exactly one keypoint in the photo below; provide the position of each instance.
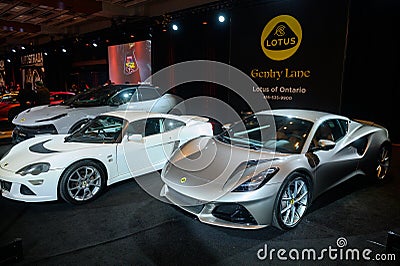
(234, 213)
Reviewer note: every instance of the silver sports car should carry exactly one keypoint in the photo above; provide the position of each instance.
(268, 168)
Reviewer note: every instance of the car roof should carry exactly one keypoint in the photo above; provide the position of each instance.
(310, 115)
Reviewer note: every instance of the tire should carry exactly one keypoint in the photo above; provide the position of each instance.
(290, 207)
(383, 162)
(82, 182)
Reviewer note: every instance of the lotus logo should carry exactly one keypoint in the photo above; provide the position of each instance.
(22, 119)
(281, 37)
(183, 180)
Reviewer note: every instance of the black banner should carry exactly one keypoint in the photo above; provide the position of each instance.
(293, 50)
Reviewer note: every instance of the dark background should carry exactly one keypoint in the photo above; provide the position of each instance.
(351, 47)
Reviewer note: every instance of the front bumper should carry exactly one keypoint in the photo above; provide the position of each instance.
(233, 210)
(30, 188)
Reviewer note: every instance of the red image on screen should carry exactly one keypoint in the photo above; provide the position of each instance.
(130, 62)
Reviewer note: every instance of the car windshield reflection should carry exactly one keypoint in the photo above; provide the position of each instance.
(281, 133)
(94, 97)
(102, 129)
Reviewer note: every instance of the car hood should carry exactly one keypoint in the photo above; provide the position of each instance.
(46, 113)
(206, 168)
(50, 148)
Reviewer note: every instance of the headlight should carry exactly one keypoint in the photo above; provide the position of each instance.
(34, 169)
(257, 181)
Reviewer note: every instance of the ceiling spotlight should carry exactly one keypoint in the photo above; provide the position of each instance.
(45, 53)
(23, 47)
(13, 50)
(64, 50)
(8, 60)
(221, 18)
(175, 27)
(94, 44)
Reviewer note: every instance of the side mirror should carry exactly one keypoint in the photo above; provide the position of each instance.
(326, 144)
(135, 137)
(226, 126)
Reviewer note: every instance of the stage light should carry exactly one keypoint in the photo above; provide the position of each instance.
(8, 60)
(13, 50)
(204, 22)
(23, 47)
(64, 50)
(94, 44)
(221, 18)
(45, 53)
(175, 27)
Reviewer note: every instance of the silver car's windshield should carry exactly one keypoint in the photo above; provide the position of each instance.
(102, 129)
(283, 133)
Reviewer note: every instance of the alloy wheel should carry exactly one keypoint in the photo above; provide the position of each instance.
(84, 183)
(383, 162)
(293, 202)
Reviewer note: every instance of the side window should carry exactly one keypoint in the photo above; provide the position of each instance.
(338, 131)
(331, 130)
(171, 124)
(124, 96)
(145, 127)
(149, 94)
(153, 126)
(344, 124)
(137, 127)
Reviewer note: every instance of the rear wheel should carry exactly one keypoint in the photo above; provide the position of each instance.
(383, 161)
(292, 201)
(82, 182)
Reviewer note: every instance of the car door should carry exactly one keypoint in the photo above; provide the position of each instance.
(149, 152)
(334, 165)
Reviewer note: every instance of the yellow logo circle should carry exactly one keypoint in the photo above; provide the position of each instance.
(281, 37)
(183, 180)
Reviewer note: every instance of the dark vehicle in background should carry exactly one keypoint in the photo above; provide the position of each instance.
(10, 107)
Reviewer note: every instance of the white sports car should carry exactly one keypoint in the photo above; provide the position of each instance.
(74, 113)
(112, 147)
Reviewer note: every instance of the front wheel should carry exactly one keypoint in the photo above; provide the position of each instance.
(383, 162)
(82, 182)
(292, 201)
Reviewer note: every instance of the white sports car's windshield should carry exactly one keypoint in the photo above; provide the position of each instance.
(102, 129)
(282, 133)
